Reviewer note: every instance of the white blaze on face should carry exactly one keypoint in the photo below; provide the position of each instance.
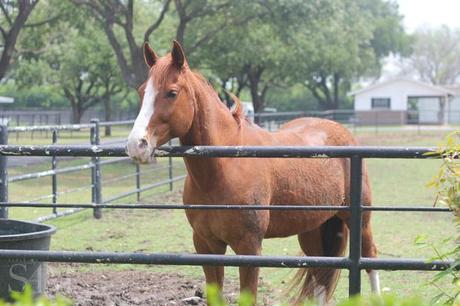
(139, 145)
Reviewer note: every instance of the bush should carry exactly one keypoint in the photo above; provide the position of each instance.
(447, 186)
(26, 298)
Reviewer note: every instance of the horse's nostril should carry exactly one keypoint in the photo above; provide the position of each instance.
(142, 144)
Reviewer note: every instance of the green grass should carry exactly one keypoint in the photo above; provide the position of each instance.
(34, 188)
(394, 182)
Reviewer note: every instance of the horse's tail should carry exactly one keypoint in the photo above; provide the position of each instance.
(334, 237)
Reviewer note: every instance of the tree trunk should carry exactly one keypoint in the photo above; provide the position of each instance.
(10, 37)
(107, 113)
(181, 32)
(254, 76)
(336, 89)
(257, 100)
(77, 113)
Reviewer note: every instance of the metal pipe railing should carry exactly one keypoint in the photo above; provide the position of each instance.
(354, 262)
(226, 151)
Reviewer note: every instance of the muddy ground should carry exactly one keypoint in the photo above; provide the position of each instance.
(104, 288)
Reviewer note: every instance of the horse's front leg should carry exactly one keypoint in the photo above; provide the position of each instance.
(249, 276)
(214, 274)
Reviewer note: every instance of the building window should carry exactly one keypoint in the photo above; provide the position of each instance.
(381, 103)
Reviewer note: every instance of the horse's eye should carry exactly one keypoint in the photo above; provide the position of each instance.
(171, 94)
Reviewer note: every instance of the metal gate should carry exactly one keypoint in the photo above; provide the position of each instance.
(354, 262)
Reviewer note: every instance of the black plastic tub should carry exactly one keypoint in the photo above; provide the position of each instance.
(20, 235)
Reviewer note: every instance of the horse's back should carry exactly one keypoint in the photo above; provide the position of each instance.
(316, 132)
(324, 132)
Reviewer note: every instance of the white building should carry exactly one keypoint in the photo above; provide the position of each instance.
(401, 101)
(6, 100)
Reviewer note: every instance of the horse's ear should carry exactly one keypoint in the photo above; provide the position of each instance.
(150, 56)
(178, 55)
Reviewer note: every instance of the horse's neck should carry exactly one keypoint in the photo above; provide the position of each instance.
(213, 125)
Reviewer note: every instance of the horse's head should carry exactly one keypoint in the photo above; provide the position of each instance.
(167, 107)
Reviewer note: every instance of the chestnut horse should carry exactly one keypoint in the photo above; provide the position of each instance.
(177, 102)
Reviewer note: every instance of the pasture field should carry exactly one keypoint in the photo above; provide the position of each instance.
(31, 189)
(66, 137)
(394, 182)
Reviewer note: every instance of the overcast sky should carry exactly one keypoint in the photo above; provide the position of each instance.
(429, 12)
(419, 13)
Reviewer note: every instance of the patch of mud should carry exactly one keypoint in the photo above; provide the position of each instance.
(132, 287)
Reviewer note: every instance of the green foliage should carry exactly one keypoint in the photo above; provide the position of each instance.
(383, 300)
(447, 180)
(45, 96)
(215, 298)
(72, 56)
(26, 298)
(436, 55)
(346, 44)
(263, 50)
(292, 98)
(447, 185)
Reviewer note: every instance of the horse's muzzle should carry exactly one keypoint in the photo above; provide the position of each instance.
(140, 150)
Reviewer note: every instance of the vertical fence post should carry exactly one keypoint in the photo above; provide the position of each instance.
(170, 170)
(4, 170)
(354, 277)
(376, 122)
(17, 124)
(96, 171)
(47, 119)
(138, 182)
(54, 176)
(33, 124)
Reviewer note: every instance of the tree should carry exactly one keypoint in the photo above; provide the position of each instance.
(77, 60)
(13, 17)
(194, 22)
(436, 55)
(251, 54)
(346, 45)
(87, 72)
(252, 62)
(115, 16)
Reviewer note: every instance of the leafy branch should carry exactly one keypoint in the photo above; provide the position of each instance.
(447, 185)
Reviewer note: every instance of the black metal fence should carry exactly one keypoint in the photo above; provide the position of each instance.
(56, 116)
(95, 165)
(375, 121)
(354, 262)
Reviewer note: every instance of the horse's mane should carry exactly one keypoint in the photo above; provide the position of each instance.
(237, 108)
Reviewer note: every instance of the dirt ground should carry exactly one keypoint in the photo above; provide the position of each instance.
(133, 287)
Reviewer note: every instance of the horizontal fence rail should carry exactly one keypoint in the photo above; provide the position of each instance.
(95, 165)
(226, 151)
(66, 127)
(223, 260)
(355, 263)
(225, 207)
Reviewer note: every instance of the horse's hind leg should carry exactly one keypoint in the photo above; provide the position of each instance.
(369, 250)
(368, 246)
(314, 283)
(213, 274)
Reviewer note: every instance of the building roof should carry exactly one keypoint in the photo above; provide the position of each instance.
(6, 100)
(441, 90)
(454, 88)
